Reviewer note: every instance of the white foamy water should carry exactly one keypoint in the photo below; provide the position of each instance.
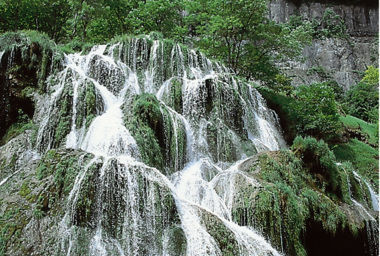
(125, 183)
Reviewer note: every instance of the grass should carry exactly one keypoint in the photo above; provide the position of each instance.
(364, 158)
(356, 123)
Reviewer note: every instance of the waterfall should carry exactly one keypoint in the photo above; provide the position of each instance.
(205, 123)
(1, 55)
(373, 195)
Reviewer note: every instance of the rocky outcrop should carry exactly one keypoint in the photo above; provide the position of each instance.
(338, 59)
(361, 20)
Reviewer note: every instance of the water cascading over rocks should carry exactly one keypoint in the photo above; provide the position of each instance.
(161, 121)
(138, 135)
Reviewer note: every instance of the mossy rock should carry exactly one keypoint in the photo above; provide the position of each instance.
(85, 206)
(89, 104)
(224, 237)
(152, 126)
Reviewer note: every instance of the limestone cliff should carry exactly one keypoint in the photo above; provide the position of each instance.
(333, 58)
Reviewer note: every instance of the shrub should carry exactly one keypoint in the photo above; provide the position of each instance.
(318, 158)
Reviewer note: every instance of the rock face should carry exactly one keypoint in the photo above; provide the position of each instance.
(339, 59)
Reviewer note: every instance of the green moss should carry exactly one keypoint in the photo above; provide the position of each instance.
(24, 190)
(64, 117)
(36, 50)
(86, 203)
(176, 95)
(176, 241)
(75, 46)
(65, 172)
(46, 166)
(318, 158)
(12, 223)
(282, 104)
(86, 105)
(220, 143)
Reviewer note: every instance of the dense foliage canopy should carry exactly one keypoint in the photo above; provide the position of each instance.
(236, 32)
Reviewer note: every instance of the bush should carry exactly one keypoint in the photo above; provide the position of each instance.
(367, 129)
(362, 100)
(316, 112)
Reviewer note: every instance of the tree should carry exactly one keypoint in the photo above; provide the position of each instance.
(239, 33)
(49, 16)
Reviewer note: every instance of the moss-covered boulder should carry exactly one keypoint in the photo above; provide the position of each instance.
(89, 104)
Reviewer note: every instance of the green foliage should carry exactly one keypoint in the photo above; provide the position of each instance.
(239, 33)
(362, 99)
(74, 46)
(371, 76)
(38, 212)
(24, 190)
(16, 129)
(46, 165)
(152, 127)
(31, 70)
(11, 225)
(316, 111)
(236, 32)
(146, 115)
(330, 26)
(318, 158)
(45, 15)
(363, 157)
(290, 198)
(224, 237)
(283, 105)
(310, 110)
(25, 38)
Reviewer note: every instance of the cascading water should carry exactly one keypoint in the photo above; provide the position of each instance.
(202, 119)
